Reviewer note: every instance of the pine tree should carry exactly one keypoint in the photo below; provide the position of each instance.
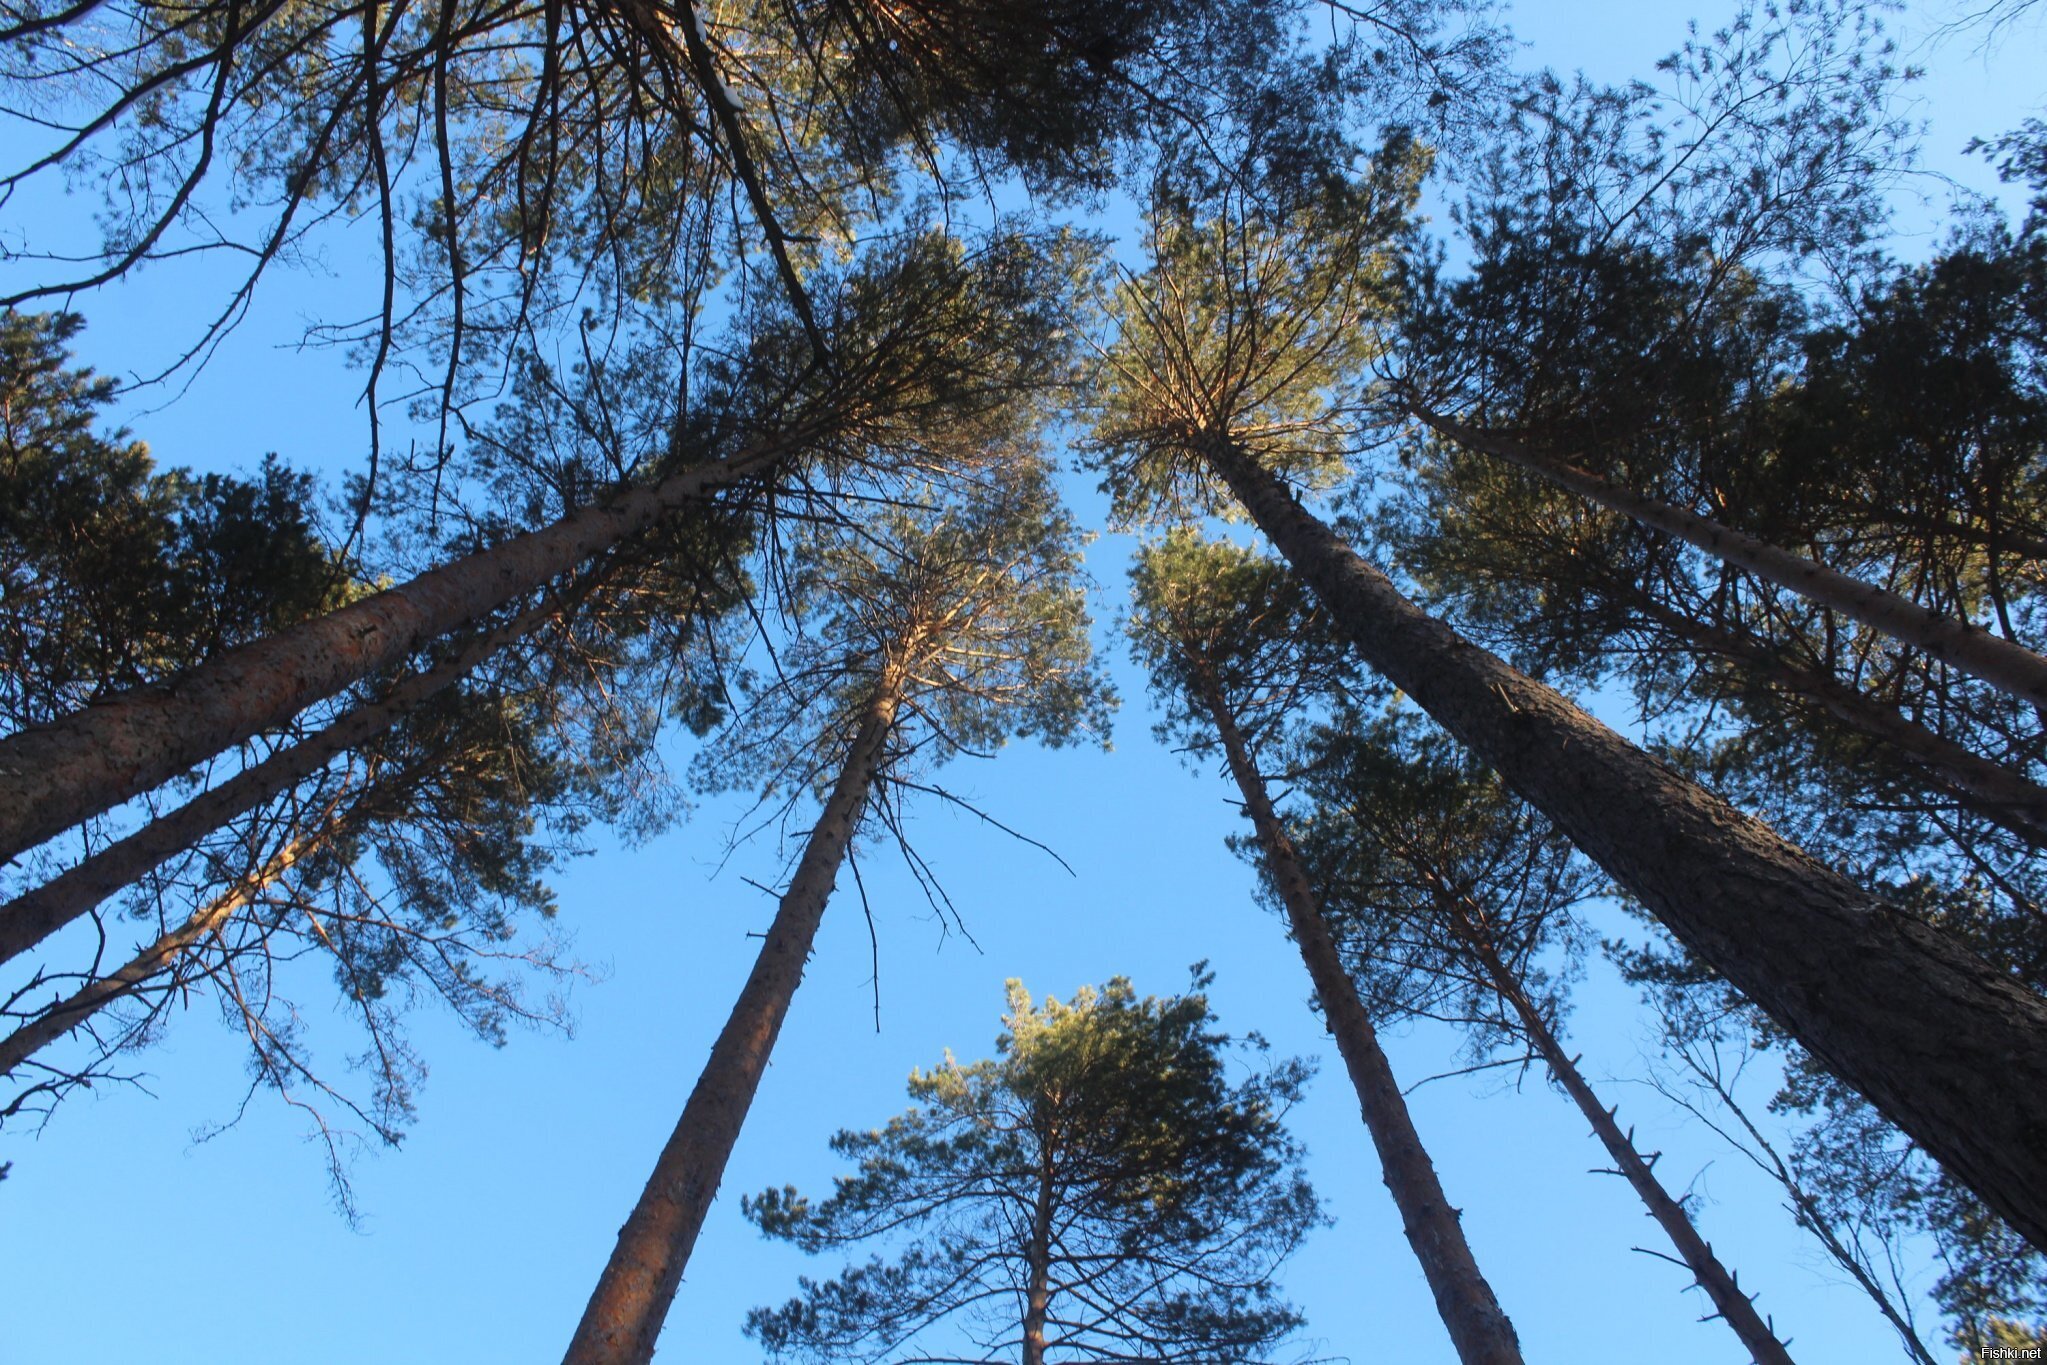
(1448, 891)
(939, 628)
(1930, 1032)
(1098, 1189)
(920, 365)
(1236, 654)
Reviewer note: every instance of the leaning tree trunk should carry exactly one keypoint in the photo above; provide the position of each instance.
(54, 775)
(631, 1300)
(1991, 790)
(2010, 668)
(1947, 1047)
(77, 1009)
(1479, 1328)
(1735, 1307)
(34, 915)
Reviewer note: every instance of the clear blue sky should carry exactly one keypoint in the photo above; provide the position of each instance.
(127, 1241)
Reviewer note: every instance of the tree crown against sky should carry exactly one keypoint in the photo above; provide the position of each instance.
(1102, 1171)
(1396, 819)
(1209, 616)
(114, 573)
(963, 601)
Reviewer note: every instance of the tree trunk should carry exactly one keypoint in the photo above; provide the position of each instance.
(1479, 1329)
(1038, 1290)
(1806, 1209)
(1943, 1044)
(631, 1300)
(1719, 1283)
(34, 915)
(54, 775)
(77, 1009)
(2008, 667)
(1989, 789)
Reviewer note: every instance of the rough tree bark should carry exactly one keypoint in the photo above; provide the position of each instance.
(1479, 1328)
(1943, 1044)
(52, 776)
(2010, 668)
(631, 1300)
(1738, 1310)
(36, 914)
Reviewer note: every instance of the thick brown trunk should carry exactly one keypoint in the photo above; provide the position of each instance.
(34, 915)
(1947, 1047)
(631, 1300)
(2011, 668)
(79, 1007)
(52, 776)
(1712, 1276)
(1991, 790)
(1479, 1328)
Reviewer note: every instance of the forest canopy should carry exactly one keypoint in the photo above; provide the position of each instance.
(1594, 533)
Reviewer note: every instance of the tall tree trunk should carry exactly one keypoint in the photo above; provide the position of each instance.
(77, 1009)
(1990, 789)
(2010, 668)
(1947, 1047)
(631, 1300)
(1479, 1328)
(34, 915)
(54, 775)
(1038, 1288)
(1715, 1278)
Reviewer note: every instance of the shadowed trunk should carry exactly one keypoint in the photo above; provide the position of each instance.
(631, 1300)
(52, 776)
(1715, 1278)
(34, 915)
(1989, 789)
(2010, 668)
(1479, 1328)
(1947, 1047)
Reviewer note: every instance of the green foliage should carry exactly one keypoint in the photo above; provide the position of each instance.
(114, 574)
(1403, 829)
(1254, 322)
(967, 603)
(1214, 619)
(1103, 1155)
(1902, 449)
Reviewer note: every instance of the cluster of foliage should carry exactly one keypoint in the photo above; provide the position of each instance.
(1097, 1189)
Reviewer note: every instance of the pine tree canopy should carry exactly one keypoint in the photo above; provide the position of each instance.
(1099, 1189)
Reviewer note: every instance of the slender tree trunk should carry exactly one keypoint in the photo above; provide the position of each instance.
(1947, 1047)
(2008, 667)
(631, 1300)
(54, 775)
(1806, 1209)
(34, 915)
(1990, 789)
(1038, 1291)
(1715, 1278)
(1479, 1327)
(77, 1009)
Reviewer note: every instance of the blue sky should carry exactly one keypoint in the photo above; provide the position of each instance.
(480, 1238)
